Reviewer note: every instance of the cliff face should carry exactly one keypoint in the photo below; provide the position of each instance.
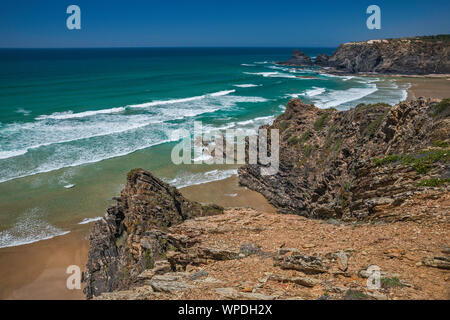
(421, 55)
(403, 56)
(354, 164)
(133, 234)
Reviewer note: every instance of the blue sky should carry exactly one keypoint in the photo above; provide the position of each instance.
(146, 23)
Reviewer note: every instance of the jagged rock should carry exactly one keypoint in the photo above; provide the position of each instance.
(437, 262)
(322, 60)
(356, 164)
(132, 235)
(303, 281)
(198, 275)
(298, 58)
(420, 55)
(248, 249)
(343, 260)
(198, 256)
(169, 283)
(304, 263)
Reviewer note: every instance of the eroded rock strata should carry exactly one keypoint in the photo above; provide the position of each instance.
(353, 165)
(374, 162)
(418, 55)
(133, 233)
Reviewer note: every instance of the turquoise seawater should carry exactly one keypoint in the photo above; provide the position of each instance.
(73, 121)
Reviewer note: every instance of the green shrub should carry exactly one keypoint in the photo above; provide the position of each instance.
(421, 162)
(441, 144)
(442, 107)
(434, 182)
(391, 283)
(321, 121)
(294, 140)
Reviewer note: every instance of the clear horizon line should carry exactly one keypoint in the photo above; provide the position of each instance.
(165, 47)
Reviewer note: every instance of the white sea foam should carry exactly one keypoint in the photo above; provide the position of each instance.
(191, 179)
(249, 85)
(11, 154)
(71, 115)
(28, 229)
(273, 75)
(336, 98)
(69, 143)
(89, 220)
(315, 91)
(258, 121)
(247, 65)
(23, 111)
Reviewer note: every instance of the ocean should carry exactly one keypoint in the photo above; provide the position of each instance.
(74, 121)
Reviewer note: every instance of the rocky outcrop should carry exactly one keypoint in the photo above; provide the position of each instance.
(298, 58)
(133, 234)
(247, 254)
(358, 164)
(422, 55)
(419, 55)
(321, 60)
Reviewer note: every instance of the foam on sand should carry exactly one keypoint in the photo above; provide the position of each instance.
(28, 229)
(89, 220)
(191, 179)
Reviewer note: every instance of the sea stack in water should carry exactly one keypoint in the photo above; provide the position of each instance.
(321, 60)
(133, 233)
(298, 59)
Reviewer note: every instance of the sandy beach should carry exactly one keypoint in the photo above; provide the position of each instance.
(38, 270)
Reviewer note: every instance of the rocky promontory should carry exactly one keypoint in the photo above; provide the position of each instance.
(355, 164)
(133, 233)
(376, 178)
(417, 55)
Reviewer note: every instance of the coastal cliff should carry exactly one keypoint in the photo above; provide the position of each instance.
(418, 55)
(133, 234)
(355, 164)
(374, 162)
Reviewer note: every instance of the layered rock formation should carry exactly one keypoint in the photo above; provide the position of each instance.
(298, 58)
(354, 164)
(419, 55)
(321, 60)
(398, 56)
(133, 234)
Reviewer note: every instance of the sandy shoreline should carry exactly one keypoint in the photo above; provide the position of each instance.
(38, 270)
